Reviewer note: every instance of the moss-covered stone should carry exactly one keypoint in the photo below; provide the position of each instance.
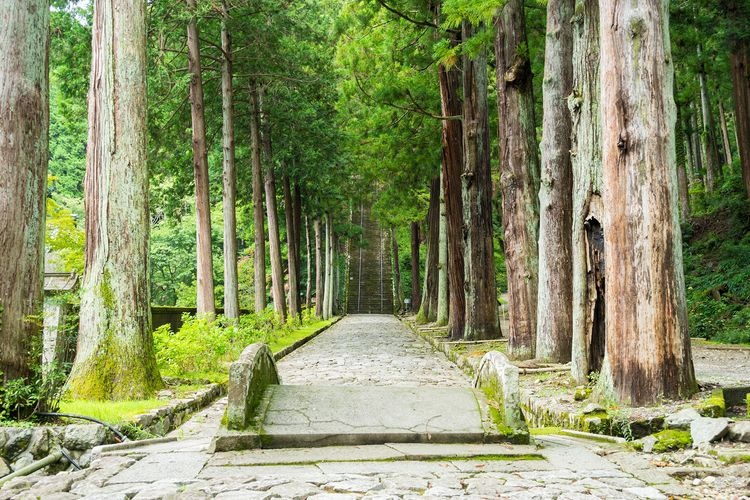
(672, 439)
(714, 406)
(582, 393)
(747, 401)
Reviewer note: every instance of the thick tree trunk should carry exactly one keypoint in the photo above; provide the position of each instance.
(308, 261)
(555, 301)
(482, 321)
(259, 257)
(115, 357)
(428, 308)
(587, 230)
(205, 287)
(740, 60)
(231, 299)
(291, 242)
(713, 167)
(319, 284)
(642, 233)
(274, 241)
(24, 135)
(725, 135)
(453, 164)
(442, 295)
(415, 239)
(519, 176)
(398, 294)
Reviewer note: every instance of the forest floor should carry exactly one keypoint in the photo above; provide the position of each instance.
(376, 350)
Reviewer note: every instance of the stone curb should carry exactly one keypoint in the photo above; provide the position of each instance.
(296, 345)
(459, 360)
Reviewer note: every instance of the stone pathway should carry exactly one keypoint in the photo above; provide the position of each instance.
(367, 350)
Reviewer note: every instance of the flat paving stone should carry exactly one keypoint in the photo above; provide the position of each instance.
(174, 466)
(322, 415)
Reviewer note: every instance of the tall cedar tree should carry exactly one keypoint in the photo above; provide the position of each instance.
(554, 303)
(115, 358)
(482, 320)
(519, 176)
(642, 239)
(24, 126)
(205, 289)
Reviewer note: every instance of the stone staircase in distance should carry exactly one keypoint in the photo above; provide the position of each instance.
(370, 277)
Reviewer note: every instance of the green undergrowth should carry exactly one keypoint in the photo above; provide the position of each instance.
(716, 255)
(204, 347)
(112, 412)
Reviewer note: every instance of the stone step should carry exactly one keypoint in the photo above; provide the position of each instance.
(313, 416)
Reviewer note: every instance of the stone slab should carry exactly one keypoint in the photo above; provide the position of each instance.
(174, 466)
(325, 415)
(427, 451)
(292, 456)
(367, 468)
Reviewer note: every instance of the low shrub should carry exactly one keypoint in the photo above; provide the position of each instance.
(204, 346)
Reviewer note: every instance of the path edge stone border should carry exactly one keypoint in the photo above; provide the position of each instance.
(234, 435)
(22, 445)
(502, 377)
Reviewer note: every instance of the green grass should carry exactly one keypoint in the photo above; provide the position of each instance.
(280, 343)
(112, 412)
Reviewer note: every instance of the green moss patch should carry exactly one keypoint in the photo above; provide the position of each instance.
(714, 406)
(672, 439)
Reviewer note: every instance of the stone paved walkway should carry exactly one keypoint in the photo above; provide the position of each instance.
(358, 350)
(370, 350)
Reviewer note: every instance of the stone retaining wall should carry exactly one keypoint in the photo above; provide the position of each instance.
(20, 446)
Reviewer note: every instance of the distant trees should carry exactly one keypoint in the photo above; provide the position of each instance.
(24, 126)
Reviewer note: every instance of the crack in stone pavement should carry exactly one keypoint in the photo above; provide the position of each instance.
(366, 350)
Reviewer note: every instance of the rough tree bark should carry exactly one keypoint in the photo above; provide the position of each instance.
(555, 301)
(442, 295)
(482, 321)
(205, 287)
(415, 239)
(292, 250)
(642, 239)
(519, 176)
(740, 61)
(398, 294)
(308, 290)
(229, 200)
(453, 164)
(587, 230)
(115, 357)
(319, 284)
(428, 307)
(24, 133)
(259, 257)
(713, 167)
(272, 214)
